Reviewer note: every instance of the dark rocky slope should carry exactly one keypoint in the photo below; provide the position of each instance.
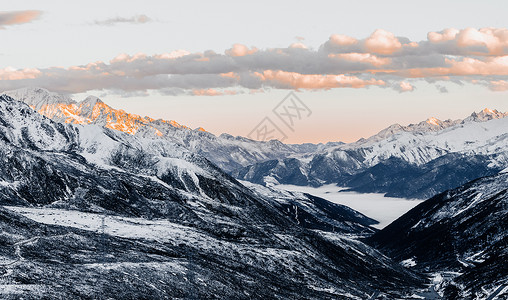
(464, 230)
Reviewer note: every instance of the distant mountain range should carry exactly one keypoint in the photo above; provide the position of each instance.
(415, 161)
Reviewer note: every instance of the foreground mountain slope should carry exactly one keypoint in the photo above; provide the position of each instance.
(412, 162)
(464, 230)
(236, 243)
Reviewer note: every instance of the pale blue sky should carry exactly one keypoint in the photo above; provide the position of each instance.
(63, 36)
(66, 35)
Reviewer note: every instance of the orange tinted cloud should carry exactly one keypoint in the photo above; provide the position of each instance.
(382, 42)
(362, 57)
(240, 50)
(472, 66)
(499, 85)
(14, 74)
(496, 40)
(138, 19)
(124, 57)
(342, 40)
(298, 45)
(212, 92)
(230, 75)
(406, 87)
(493, 40)
(315, 81)
(18, 17)
(443, 36)
(173, 54)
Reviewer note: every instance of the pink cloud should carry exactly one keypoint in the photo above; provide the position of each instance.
(382, 42)
(472, 66)
(362, 57)
(173, 54)
(342, 40)
(212, 92)
(230, 75)
(443, 36)
(498, 85)
(315, 81)
(10, 73)
(140, 56)
(137, 19)
(488, 66)
(494, 40)
(18, 17)
(298, 45)
(406, 86)
(240, 50)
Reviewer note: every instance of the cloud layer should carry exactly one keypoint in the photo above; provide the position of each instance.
(138, 19)
(18, 17)
(478, 56)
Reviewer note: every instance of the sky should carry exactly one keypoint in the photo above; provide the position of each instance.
(350, 68)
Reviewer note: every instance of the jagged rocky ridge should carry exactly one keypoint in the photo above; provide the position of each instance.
(462, 232)
(226, 151)
(218, 238)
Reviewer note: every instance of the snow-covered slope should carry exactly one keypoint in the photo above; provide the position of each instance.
(211, 236)
(462, 231)
(419, 147)
(431, 125)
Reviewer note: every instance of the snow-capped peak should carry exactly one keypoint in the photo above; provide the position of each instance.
(433, 124)
(37, 98)
(91, 101)
(91, 110)
(485, 115)
(433, 121)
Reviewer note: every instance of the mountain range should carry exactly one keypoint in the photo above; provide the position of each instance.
(414, 161)
(97, 204)
(226, 151)
(174, 221)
